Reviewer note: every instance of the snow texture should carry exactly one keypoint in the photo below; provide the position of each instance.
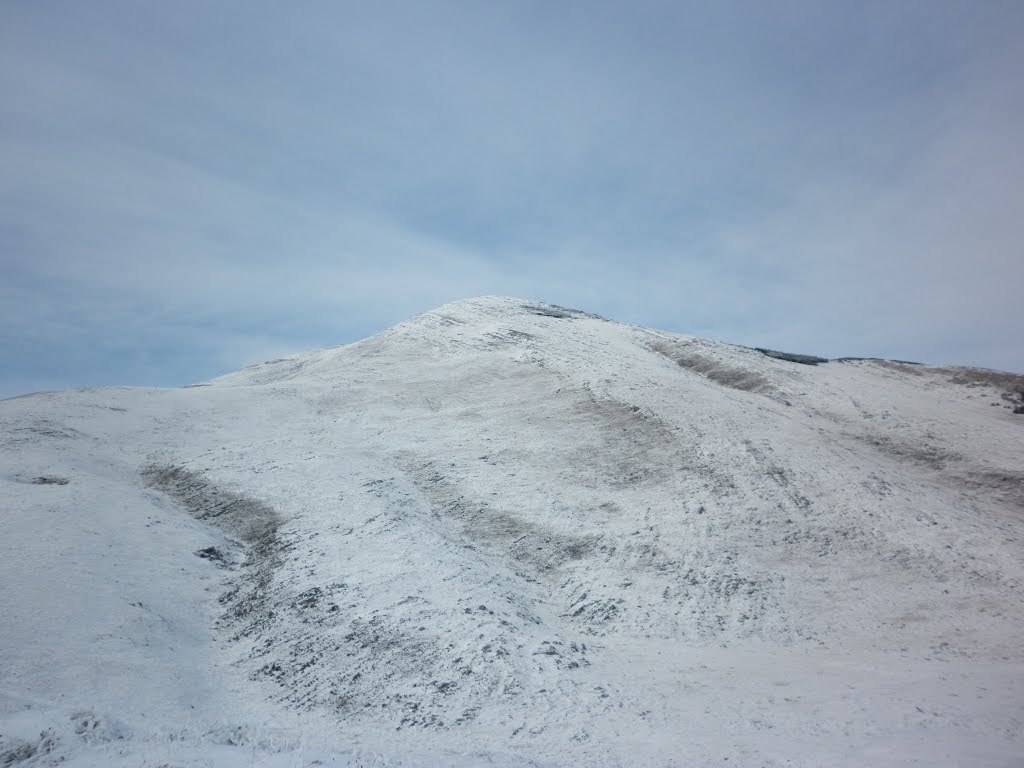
(508, 533)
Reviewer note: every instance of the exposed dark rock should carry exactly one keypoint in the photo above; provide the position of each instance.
(562, 313)
(792, 357)
(50, 480)
(214, 555)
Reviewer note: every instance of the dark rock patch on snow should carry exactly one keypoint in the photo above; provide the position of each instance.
(50, 480)
(558, 312)
(792, 357)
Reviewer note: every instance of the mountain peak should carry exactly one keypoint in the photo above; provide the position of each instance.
(505, 527)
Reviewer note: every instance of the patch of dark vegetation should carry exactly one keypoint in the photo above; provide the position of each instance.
(1008, 387)
(564, 655)
(597, 611)
(1005, 485)
(1015, 400)
(308, 599)
(27, 750)
(556, 311)
(378, 652)
(508, 337)
(214, 555)
(448, 320)
(792, 357)
(927, 454)
(541, 548)
(965, 376)
(549, 312)
(250, 520)
(238, 515)
(18, 433)
(1010, 382)
(734, 377)
(619, 444)
(50, 480)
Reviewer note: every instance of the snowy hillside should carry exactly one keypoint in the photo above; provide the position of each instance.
(507, 533)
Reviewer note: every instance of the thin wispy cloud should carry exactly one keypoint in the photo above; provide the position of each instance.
(190, 187)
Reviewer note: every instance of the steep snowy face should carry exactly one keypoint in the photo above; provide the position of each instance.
(525, 529)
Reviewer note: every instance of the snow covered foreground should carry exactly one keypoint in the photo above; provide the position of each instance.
(505, 533)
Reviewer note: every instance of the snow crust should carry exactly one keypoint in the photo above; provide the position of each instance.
(508, 533)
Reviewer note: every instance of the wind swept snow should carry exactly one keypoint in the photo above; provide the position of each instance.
(509, 533)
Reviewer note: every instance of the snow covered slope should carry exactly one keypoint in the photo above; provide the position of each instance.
(509, 533)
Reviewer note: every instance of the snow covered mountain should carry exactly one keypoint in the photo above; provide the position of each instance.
(509, 533)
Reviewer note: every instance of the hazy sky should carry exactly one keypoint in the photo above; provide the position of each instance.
(189, 187)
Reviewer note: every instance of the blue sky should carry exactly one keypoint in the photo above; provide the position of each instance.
(190, 187)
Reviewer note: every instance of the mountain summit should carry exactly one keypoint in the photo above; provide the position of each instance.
(512, 532)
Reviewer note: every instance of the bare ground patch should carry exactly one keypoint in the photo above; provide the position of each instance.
(1008, 387)
(734, 377)
(246, 519)
(539, 549)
